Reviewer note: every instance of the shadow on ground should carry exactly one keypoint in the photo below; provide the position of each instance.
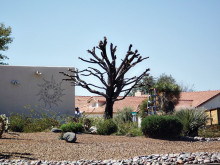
(16, 155)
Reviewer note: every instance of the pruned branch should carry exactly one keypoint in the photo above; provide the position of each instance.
(112, 78)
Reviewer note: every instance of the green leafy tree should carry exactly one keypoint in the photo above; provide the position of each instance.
(5, 39)
(169, 92)
(146, 83)
(167, 89)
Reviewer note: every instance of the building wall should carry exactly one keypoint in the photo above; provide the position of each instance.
(213, 103)
(20, 87)
(214, 116)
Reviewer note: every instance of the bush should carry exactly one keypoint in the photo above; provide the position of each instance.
(72, 127)
(161, 126)
(123, 128)
(192, 120)
(22, 123)
(124, 115)
(106, 127)
(210, 131)
(39, 125)
(143, 107)
(17, 122)
(134, 131)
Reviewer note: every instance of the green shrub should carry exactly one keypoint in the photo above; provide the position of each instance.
(134, 132)
(39, 125)
(17, 122)
(143, 106)
(161, 126)
(72, 127)
(210, 131)
(124, 115)
(192, 120)
(123, 128)
(106, 127)
(27, 123)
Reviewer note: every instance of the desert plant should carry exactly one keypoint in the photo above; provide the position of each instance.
(32, 122)
(143, 108)
(124, 115)
(161, 126)
(17, 122)
(192, 120)
(134, 132)
(39, 125)
(3, 124)
(107, 127)
(209, 132)
(72, 127)
(123, 128)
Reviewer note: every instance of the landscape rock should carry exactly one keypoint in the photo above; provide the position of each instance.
(70, 137)
(93, 130)
(56, 130)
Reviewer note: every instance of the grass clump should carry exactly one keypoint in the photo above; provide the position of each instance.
(107, 127)
(124, 115)
(192, 120)
(161, 126)
(72, 127)
(123, 120)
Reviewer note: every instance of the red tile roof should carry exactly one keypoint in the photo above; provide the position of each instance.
(129, 101)
(195, 99)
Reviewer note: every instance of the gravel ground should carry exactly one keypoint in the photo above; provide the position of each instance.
(47, 146)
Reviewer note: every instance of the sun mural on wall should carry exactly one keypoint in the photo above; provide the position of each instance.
(50, 92)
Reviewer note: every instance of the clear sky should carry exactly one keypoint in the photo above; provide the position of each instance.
(182, 38)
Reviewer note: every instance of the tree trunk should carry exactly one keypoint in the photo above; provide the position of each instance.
(109, 109)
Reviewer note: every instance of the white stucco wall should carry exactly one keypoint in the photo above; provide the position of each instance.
(45, 91)
(213, 103)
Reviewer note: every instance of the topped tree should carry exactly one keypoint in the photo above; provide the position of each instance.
(112, 78)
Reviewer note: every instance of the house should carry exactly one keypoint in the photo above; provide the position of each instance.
(200, 99)
(95, 105)
(209, 100)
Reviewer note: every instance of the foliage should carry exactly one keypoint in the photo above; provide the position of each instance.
(107, 127)
(39, 125)
(161, 126)
(209, 132)
(17, 122)
(124, 115)
(192, 120)
(5, 39)
(143, 107)
(146, 83)
(134, 131)
(169, 92)
(72, 127)
(167, 89)
(3, 124)
(34, 121)
(128, 129)
(112, 77)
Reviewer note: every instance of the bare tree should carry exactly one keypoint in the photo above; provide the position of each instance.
(113, 78)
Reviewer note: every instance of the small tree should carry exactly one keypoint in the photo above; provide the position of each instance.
(169, 92)
(113, 77)
(5, 32)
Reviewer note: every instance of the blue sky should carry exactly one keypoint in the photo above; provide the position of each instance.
(182, 38)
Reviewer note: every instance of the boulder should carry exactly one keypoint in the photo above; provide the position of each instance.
(56, 130)
(70, 137)
(93, 130)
